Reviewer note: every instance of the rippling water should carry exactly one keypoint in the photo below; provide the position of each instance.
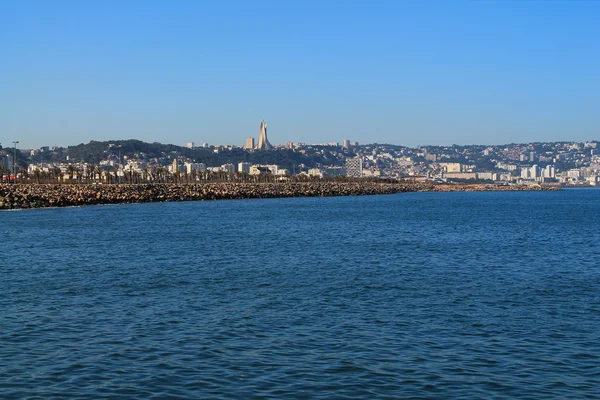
(422, 295)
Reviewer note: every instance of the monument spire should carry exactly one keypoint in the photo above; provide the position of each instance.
(263, 142)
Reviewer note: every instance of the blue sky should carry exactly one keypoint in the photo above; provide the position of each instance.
(403, 72)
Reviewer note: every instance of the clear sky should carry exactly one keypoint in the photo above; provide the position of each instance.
(403, 72)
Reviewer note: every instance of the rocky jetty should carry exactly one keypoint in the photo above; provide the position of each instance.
(487, 188)
(40, 195)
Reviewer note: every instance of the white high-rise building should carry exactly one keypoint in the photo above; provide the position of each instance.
(532, 172)
(549, 172)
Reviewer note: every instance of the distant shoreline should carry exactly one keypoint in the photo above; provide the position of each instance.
(24, 196)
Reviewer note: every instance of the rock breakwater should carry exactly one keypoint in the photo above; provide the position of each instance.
(39, 195)
(487, 188)
(65, 195)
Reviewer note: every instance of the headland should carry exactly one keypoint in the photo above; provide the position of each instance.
(18, 196)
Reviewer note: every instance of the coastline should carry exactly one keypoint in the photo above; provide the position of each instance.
(24, 196)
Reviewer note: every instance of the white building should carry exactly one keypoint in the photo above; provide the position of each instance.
(490, 176)
(229, 168)
(574, 174)
(244, 167)
(315, 172)
(532, 172)
(549, 172)
(259, 169)
(195, 167)
(451, 167)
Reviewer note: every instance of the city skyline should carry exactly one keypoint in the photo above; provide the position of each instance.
(567, 163)
(411, 73)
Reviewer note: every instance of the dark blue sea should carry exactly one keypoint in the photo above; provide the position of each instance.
(414, 295)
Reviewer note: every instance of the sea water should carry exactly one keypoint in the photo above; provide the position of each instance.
(414, 295)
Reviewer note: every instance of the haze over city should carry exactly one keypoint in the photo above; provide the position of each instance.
(410, 73)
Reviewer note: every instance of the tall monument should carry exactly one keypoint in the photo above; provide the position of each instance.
(263, 142)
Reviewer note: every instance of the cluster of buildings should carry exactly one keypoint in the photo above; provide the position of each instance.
(559, 162)
(556, 162)
(230, 168)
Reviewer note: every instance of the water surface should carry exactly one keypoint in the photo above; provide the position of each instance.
(415, 295)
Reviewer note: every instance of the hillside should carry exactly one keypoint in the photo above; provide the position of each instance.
(94, 152)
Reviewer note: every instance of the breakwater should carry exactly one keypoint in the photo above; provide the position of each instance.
(479, 187)
(65, 195)
(37, 196)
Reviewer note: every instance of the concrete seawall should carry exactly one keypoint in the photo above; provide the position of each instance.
(65, 195)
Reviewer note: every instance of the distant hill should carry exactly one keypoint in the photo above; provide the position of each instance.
(94, 152)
